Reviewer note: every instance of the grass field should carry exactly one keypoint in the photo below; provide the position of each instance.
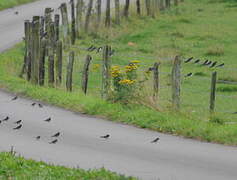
(13, 167)
(203, 29)
(11, 3)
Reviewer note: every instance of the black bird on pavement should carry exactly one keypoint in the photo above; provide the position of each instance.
(15, 98)
(197, 61)
(105, 137)
(155, 140)
(220, 65)
(37, 138)
(6, 118)
(40, 105)
(208, 63)
(213, 64)
(33, 104)
(56, 135)
(48, 119)
(16, 12)
(53, 142)
(188, 60)
(188, 75)
(205, 62)
(18, 127)
(18, 122)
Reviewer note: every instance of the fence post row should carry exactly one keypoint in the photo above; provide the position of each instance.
(85, 73)
(176, 81)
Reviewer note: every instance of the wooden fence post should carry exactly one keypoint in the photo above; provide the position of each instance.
(138, 4)
(29, 54)
(106, 67)
(167, 4)
(176, 82)
(88, 15)
(35, 48)
(51, 46)
(42, 26)
(70, 71)
(58, 63)
(43, 44)
(156, 81)
(117, 12)
(98, 11)
(126, 8)
(73, 23)
(107, 14)
(79, 12)
(65, 24)
(56, 21)
(85, 74)
(176, 2)
(148, 7)
(213, 92)
(161, 5)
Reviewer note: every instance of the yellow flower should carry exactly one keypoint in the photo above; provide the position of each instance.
(96, 66)
(131, 67)
(115, 71)
(126, 81)
(135, 61)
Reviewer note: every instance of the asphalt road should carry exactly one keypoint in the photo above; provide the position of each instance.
(127, 151)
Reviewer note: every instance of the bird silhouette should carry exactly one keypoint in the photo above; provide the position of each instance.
(37, 138)
(53, 142)
(105, 137)
(189, 74)
(91, 48)
(220, 65)
(6, 119)
(99, 49)
(15, 98)
(18, 122)
(155, 140)
(188, 60)
(208, 63)
(197, 61)
(205, 62)
(56, 135)
(33, 104)
(40, 105)
(48, 119)
(18, 127)
(16, 12)
(213, 64)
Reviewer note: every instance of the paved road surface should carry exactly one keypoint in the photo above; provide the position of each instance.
(128, 151)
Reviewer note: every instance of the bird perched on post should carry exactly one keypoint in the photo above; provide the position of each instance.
(105, 137)
(188, 60)
(56, 135)
(155, 140)
(18, 127)
(53, 142)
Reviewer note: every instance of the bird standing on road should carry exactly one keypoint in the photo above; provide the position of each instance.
(33, 104)
(56, 135)
(6, 119)
(15, 98)
(105, 137)
(18, 122)
(48, 119)
(18, 127)
(40, 105)
(53, 142)
(37, 138)
(16, 12)
(155, 140)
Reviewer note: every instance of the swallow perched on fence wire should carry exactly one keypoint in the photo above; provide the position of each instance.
(99, 49)
(188, 60)
(105, 137)
(208, 63)
(205, 62)
(220, 65)
(188, 75)
(155, 140)
(18, 127)
(213, 64)
(197, 61)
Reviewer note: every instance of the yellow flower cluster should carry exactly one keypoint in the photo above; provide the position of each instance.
(96, 66)
(115, 71)
(126, 81)
(131, 67)
(135, 61)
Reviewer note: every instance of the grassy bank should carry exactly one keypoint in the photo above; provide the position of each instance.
(4, 4)
(12, 167)
(202, 29)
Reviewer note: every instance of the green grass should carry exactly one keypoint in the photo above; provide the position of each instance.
(208, 33)
(13, 167)
(4, 4)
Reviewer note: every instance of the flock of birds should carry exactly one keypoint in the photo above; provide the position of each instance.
(210, 64)
(19, 125)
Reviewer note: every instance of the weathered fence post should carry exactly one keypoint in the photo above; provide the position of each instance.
(56, 22)
(88, 15)
(73, 23)
(148, 7)
(35, 48)
(85, 74)
(213, 92)
(58, 63)
(161, 5)
(98, 11)
(176, 82)
(107, 14)
(167, 4)
(65, 24)
(42, 26)
(51, 48)
(29, 49)
(176, 2)
(126, 8)
(106, 72)
(156, 81)
(117, 12)
(138, 4)
(43, 44)
(79, 12)
(70, 71)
